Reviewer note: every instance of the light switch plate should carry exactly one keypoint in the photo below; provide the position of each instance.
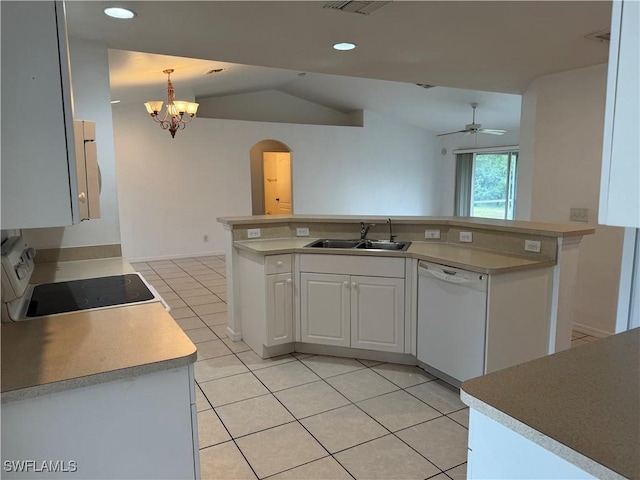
(253, 233)
(302, 231)
(429, 234)
(466, 237)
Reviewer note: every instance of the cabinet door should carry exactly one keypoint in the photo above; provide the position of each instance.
(377, 313)
(619, 193)
(324, 309)
(279, 309)
(37, 128)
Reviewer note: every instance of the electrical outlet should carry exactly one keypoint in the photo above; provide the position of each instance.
(431, 234)
(466, 237)
(579, 215)
(206, 238)
(302, 231)
(532, 246)
(253, 233)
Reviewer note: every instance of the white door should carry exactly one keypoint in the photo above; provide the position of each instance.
(277, 183)
(279, 309)
(377, 313)
(325, 309)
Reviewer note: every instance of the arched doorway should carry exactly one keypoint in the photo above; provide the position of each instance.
(271, 178)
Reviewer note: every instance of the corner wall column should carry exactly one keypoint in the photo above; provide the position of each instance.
(234, 327)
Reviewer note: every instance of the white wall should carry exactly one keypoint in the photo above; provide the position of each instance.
(560, 161)
(447, 162)
(172, 190)
(91, 97)
(272, 106)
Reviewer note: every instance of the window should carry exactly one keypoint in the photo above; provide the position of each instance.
(486, 183)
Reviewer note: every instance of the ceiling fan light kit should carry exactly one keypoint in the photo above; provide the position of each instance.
(178, 112)
(475, 128)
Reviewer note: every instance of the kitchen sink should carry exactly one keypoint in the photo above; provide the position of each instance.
(383, 245)
(329, 243)
(364, 244)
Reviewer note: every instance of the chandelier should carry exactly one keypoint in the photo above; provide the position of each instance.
(178, 113)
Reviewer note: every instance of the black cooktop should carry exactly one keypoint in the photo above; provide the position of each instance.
(63, 297)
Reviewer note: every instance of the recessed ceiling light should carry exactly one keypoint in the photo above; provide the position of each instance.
(344, 46)
(118, 12)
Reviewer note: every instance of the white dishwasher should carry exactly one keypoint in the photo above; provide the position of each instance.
(452, 306)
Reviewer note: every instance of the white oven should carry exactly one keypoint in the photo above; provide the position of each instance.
(23, 301)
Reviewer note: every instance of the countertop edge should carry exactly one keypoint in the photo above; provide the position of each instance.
(566, 453)
(98, 378)
(246, 246)
(537, 228)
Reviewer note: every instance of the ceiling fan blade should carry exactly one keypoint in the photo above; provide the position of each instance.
(451, 133)
(492, 131)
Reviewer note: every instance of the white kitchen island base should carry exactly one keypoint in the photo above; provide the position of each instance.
(497, 452)
(139, 427)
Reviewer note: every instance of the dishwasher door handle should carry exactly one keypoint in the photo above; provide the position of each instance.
(444, 276)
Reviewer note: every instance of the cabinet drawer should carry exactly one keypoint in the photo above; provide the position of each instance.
(278, 264)
(353, 265)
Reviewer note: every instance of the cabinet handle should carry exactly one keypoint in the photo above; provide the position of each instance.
(279, 264)
(354, 284)
(346, 284)
(289, 281)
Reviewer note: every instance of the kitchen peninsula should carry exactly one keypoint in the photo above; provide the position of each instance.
(272, 270)
(110, 389)
(574, 414)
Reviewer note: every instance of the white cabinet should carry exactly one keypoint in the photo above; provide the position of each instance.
(497, 452)
(377, 313)
(38, 153)
(325, 312)
(136, 428)
(619, 192)
(356, 302)
(279, 309)
(265, 301)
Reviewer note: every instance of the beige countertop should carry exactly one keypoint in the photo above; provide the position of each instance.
(537, 228)
(473, 259)
(582, 404)
(61, 352)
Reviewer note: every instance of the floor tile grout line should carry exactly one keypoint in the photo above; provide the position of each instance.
(290, 413)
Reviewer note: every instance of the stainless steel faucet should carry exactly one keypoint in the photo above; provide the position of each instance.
(364, 229)
(392, 237)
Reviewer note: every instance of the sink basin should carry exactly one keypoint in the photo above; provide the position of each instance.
(383, 245)
(366, 244)
(329, 243)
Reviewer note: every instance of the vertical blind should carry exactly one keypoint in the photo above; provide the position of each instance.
(464, 174)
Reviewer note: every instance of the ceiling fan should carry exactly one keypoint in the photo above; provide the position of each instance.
(474, 127)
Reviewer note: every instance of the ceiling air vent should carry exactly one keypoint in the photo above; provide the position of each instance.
(361, 7)
(601, 36)
(215, 70)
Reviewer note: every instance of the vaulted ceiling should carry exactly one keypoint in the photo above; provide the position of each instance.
(466, 48)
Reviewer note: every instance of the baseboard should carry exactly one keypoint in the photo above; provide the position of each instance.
(587, 330)
(176, 256)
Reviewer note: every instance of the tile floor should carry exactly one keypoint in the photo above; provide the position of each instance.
(304, 416)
